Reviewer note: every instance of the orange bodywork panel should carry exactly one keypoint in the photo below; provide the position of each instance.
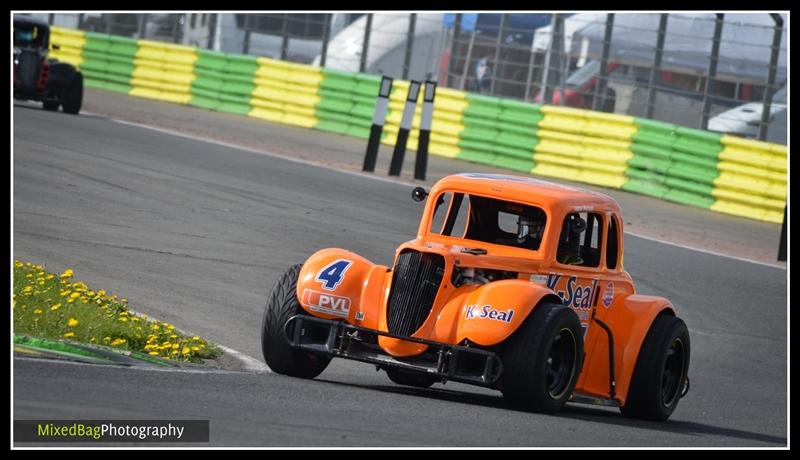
(629, 317)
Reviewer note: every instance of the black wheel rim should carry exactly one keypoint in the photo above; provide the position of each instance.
(560, 364)
(673, 372)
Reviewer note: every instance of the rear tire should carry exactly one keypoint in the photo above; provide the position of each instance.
(72, 104)
(543, 359)
(50, 106)
(413, 379)
(279, 355)
(661, 371)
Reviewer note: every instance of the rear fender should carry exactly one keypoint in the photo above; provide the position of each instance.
(338, 284)
(629, 318)
(492, 312)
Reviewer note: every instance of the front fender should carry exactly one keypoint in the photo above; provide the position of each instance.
(338, 284)
(490, 313)
(629, 318)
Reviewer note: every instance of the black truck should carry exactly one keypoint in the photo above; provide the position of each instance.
(39, 78)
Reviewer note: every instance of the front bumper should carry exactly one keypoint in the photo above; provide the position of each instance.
(342, 340)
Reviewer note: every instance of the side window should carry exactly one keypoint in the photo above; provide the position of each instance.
(450, 216)
(612, 251)
(580, 240)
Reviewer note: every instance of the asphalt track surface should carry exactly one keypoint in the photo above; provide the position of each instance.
(196, 234)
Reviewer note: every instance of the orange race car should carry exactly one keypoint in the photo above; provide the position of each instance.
(512, 283)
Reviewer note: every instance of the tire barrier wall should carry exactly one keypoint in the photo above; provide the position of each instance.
(693, 167)
(223, 82)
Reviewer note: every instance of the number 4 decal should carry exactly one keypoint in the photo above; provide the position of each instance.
(333, 274)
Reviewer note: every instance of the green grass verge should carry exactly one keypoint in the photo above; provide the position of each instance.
(57, 307)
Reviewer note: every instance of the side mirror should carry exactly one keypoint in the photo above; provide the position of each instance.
(56, 47)
(419, 194)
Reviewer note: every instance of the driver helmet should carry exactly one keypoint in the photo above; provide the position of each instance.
(528, 226)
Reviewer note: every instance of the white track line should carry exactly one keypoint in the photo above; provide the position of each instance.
(399, 182)
(705, 251)
(250, 364)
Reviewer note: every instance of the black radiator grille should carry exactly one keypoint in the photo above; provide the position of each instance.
(416, 280)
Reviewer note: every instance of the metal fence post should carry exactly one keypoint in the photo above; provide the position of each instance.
(547, 75)
(712, 70)
(450, 65)
(285, 41)
(467, 59)
(51, 18)
(529, 78)
(212, 29)
(496, 63)
(602, 77)
(412, 24)
(326, 37)
(365, 45)
(651, 91)
(246, 43)
(773, 67)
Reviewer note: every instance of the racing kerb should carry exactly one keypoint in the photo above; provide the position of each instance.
(694, 167)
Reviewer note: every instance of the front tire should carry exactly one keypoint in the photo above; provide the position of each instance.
(543, 359)
(279, 355)
(661, 371)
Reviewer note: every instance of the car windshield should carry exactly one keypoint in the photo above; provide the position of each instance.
(488, 220)
(28, 36)
(780, 96)
(584, 74)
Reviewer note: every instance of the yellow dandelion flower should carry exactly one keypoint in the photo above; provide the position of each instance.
(41, 283)
(173, 336)
(17, 264)
(27, 289)
(123, 319)
(154, 327)
(123, 313)
(64, 293)
(49, 277)
(123, 300)
(101, 292)
(69, 334)
(175, 346)
(106, 339)
(70, 300)
(74, 295)
(166, 344)
(171, 327)
(29, 275)
(67, 273)
(37, 312)
(185, 351)
(195, 338)
(118, 342)
(55, 307)
(195, 348)
(134, 318)
(92, 340)
(174, 352)
(72, 322)
(153, 353)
